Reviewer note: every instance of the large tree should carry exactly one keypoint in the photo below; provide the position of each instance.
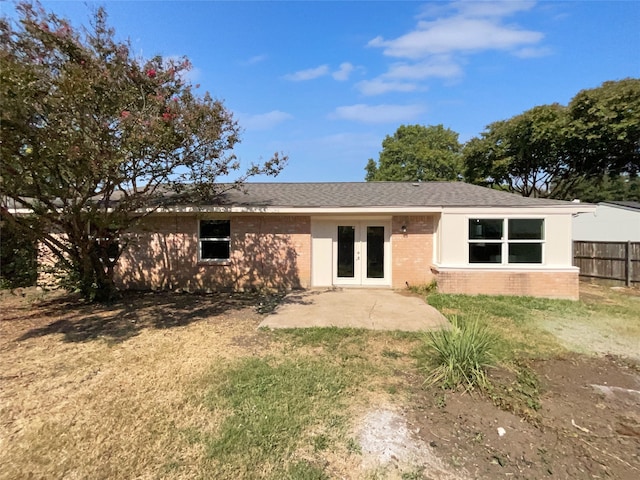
(524, 154)
(563, 152)
(608, 187)
(604, 129)
(417, 153)
(94, 139)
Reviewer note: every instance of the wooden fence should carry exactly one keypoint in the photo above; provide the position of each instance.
(608, 260)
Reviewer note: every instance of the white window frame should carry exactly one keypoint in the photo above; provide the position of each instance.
(504, 241)
(212, 239)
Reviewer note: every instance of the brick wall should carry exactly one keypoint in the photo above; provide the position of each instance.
(48, 273)
(537, 284)
(266, 252)
(412, 252)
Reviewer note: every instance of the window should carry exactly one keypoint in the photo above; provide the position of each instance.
(500, 241)
(525, 240)
(215, 239)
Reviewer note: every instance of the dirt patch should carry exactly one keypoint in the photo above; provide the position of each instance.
(387, 444)
(582, 337)
(588, 425)
(602, 329)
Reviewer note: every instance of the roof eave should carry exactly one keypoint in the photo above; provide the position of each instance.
(288, 210)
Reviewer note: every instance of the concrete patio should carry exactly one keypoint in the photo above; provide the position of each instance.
(375, 309)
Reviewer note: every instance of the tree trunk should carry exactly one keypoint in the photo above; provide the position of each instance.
(94, 274)
(104, 287)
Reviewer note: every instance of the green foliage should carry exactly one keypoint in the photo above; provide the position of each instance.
(524, 154)
(514, 387)
(564, 151)
(513, 319)
(91, 135)
(596, 189)
(417, 153)
(522, 328)
(460, 355)
(18, 259)
(604, 128)
(424, 289)
(272, 409)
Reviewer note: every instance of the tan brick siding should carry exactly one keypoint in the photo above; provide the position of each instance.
(266, 252)
(48, 273)
(536, 284)
(274, 252)
(412, 252)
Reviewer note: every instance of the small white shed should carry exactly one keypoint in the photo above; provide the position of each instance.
(611, 222)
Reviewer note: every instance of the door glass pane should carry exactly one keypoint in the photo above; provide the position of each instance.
(346, 249)
(375, 252)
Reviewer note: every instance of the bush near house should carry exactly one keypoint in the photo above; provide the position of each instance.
(18, 259)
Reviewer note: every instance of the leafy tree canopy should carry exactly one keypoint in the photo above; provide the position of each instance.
(523, 154)
(417, 153)
(93, 139)
(563, 152)
(608, 187)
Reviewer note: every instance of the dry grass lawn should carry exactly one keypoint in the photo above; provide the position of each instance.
(113, 404)
(170, 386)
(117, 392)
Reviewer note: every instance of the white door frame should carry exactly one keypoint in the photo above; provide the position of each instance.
(360, 253)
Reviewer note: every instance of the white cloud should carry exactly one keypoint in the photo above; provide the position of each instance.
(253, 60)
(343, 73)
(492, 9)
(264, 121)
(533, 52)
(476, 8)
(404, 77)
(308, 74)
(440, 66)
(379, 85)
(378, 113)
(456, 34)
(445, 36)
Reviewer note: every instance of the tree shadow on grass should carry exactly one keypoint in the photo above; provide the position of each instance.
(135, 312)
(164, 256)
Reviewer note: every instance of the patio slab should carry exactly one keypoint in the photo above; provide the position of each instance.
(374, 309)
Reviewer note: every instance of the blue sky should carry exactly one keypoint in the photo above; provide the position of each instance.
(325, 82)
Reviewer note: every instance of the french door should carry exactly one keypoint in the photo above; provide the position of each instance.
(361, 253)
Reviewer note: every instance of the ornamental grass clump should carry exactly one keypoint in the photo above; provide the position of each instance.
(459, 356)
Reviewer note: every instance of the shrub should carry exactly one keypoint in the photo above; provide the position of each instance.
(460, 355)
(424, 289)
(18, 259)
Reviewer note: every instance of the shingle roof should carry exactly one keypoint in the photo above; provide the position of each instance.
(625, 204)
(377, 194)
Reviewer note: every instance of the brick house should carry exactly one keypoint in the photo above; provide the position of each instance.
(469, 239)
